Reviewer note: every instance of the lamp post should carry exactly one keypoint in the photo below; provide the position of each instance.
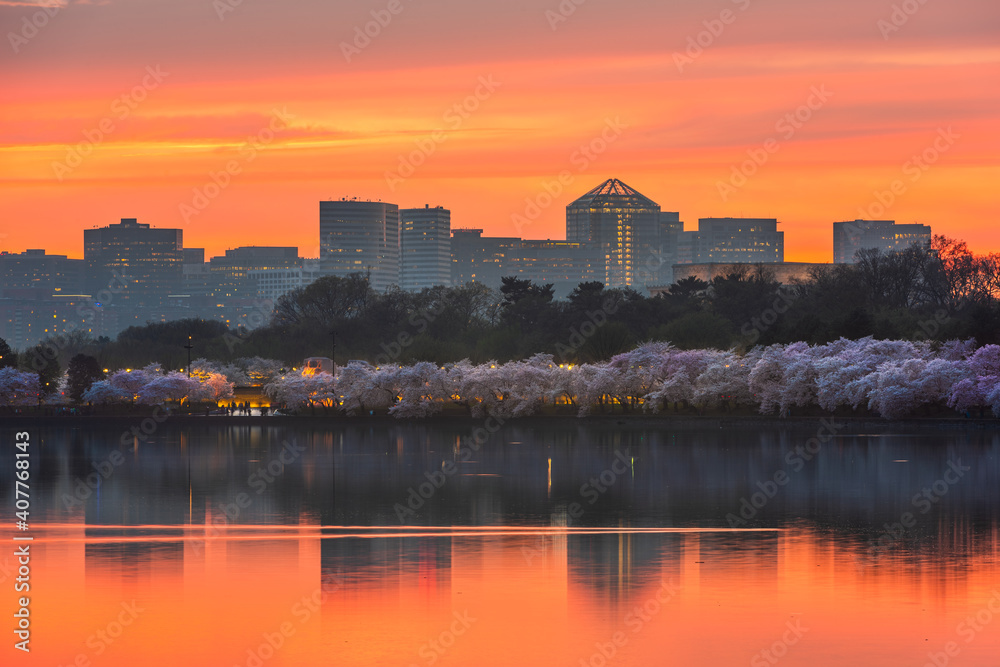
(333, 350)
(189, 347)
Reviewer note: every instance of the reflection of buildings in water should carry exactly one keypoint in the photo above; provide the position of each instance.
(422, 563)
(355, 474)
(613, 566)
(138, 564)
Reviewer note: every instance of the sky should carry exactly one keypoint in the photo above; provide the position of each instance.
(232, 119)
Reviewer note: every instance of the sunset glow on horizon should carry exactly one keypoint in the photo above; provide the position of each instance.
(232, 120)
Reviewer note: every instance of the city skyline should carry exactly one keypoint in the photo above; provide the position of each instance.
(736, 109)
(535, 332)
(314, 250)
(618, 237)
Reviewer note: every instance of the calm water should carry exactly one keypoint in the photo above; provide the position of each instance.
(552, 543)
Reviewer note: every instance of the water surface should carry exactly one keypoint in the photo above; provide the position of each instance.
(550, 543)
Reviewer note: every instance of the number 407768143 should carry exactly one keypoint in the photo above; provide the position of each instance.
(23, 464)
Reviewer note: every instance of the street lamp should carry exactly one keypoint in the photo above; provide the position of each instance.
(189, 347)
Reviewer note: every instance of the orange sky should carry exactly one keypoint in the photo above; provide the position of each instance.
(556, 89)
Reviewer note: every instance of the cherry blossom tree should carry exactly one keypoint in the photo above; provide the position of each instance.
(129, 384)
(726, 378)
(103, 392)
(421, 391)
(254, 370)
(678, 373)
(213, 387)
(892, 378)
(174, 386)
(296, 390)
(981, 383)
(767, 376)
(639, 372)
(18, 387)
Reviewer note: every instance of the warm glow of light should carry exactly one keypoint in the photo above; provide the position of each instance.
(609, 71)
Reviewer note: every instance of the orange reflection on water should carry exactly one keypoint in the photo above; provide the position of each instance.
(299, 595)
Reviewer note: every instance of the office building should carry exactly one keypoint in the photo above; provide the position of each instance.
(850, 237)
(33, 269)
(425, 247)
(732, 241)
(483, 259)
(360, 237)
(564, 264)
(671, 229)
(233, 276)
(625, 227)
(30, 315)
(275, 283)
(134, 268)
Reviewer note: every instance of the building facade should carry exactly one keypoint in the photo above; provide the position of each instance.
(275, 283)
(134, 268)
(483, 259)
(424, 247)
(234, 275)
(851, 236)
(36, 269)
(625, 227)
(732, 241)
(28, 316)
(564, 264)
(360, 237)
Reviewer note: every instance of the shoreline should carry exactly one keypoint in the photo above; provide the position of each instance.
(673, 421)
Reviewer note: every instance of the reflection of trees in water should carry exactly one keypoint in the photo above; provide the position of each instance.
(355, 473)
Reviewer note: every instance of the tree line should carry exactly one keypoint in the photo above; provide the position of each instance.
(940, 293)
